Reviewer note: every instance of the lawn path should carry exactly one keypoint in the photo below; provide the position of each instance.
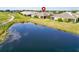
(9, 20)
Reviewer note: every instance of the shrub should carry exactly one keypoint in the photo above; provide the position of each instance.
(60, 20)
(35, 16)
(67, 20)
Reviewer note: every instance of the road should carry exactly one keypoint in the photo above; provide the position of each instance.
(9, 20)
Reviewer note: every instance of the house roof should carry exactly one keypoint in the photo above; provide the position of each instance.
(42, 14)
(27, 12)
(36, 13)
(76, 15)
(67, 15)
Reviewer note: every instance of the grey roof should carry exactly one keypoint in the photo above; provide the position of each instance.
(42, 14)
(76, 15)
(37, 13)
(66, 15)
(28, 12)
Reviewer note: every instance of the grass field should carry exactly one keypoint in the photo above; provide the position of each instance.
(4, 16)
(20, 18)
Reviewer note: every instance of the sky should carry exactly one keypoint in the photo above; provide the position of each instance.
(37, 4)
(39, 8)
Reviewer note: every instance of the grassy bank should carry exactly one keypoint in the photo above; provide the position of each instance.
(3, 31)
(67, 27)
(3, 28)
(20, 18)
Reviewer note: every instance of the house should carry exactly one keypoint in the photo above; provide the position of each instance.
(77, 16)
(43, 15)
(65, 15)
(28, 13)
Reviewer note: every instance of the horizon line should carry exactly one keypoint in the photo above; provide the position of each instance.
(39, 8)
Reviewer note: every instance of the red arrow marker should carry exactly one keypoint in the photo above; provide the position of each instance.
(43, 9)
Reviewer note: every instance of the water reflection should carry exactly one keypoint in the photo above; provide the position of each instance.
(14, 36)
(31, 37)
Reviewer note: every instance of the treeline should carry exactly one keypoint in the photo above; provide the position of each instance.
(54, 11)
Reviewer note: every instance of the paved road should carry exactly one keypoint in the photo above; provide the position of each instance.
(9, 20)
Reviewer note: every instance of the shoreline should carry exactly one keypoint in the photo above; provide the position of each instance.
(60, 26)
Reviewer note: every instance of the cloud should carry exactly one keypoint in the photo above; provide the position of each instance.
(39, 3)
(12, 36)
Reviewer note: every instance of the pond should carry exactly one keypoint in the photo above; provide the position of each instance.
(29, 37)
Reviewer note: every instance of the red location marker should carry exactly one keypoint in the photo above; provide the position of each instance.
(43, 9)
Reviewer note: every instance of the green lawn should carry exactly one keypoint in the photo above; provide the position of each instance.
(20, 18)
(4, 16)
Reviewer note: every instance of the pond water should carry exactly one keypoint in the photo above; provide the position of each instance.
(29, 37)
